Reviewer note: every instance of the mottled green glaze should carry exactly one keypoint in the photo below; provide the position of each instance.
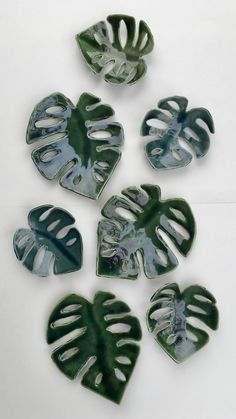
(103, 346)
(80, 148)
(165, 151)
(169, 314)
(46, 223)
(120, 238)
(99, 51)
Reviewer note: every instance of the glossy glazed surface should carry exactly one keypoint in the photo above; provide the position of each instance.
(99, 51)
(175, 124)
(121, 236)
(168, 319)
(46, 223)
(80, 149)
(100, 340)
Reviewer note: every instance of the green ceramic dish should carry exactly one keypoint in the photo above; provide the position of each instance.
(169, 315)
(104, 343)
(46, 242)
(99, 51)
(80, 148)
(170, 128)
(144, 227)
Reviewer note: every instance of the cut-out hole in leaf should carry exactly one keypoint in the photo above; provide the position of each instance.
(47, 122)
(168, 319)
(171, 125)
(119, 328)
(101, 134)
(40, 246)
(123, 360)
(157, 123)
(123, 34)
(71, 241)
(119, 375)
(54, 110)
(156, 151)
(137, 222)
(85, 139)
(65, 320)
(53, 225)
(103, 164)
(49, 155)
(178, 214)
(103, 356)
(119, 59)
(70, 308)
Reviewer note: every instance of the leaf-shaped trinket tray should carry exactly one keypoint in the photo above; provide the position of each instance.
(104, 343)
(170, 128)
(169, 319)
(80, 148)
(51, 239)
(141, 222)
(99, 50)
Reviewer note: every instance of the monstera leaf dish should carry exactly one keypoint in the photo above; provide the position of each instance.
(170, 314)
(51, 239)
(140, 222)
(80, 147)
(99, 342)
(99, 50)
(171, 128)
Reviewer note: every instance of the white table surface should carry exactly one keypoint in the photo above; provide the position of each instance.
(194, 56)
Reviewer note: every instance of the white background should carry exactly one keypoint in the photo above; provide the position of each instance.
(194, 56)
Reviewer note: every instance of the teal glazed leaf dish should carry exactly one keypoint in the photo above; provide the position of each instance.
(171, 128)
(169, 319)
(80, 148)
(51, 240)
(140, 222)
(103, 348)
(99, 50)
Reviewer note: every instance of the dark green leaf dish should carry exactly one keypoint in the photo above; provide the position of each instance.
(103, 346)
(170, 314)
(144, 227)
(46, 242)
(81, 149)
(171, 127)
(99, 51)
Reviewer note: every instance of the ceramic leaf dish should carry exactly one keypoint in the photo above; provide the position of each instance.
(170, 128)
(99, 50)
(80, 148)
(144, 227)
(63, 249)
(169, 319)
(104, 347)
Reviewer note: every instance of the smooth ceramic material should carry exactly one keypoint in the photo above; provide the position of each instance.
(121, 235)
(80, 148)
(99, 51)
(107, 349)
(168, 319)
(171, 128)
(42, 245)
